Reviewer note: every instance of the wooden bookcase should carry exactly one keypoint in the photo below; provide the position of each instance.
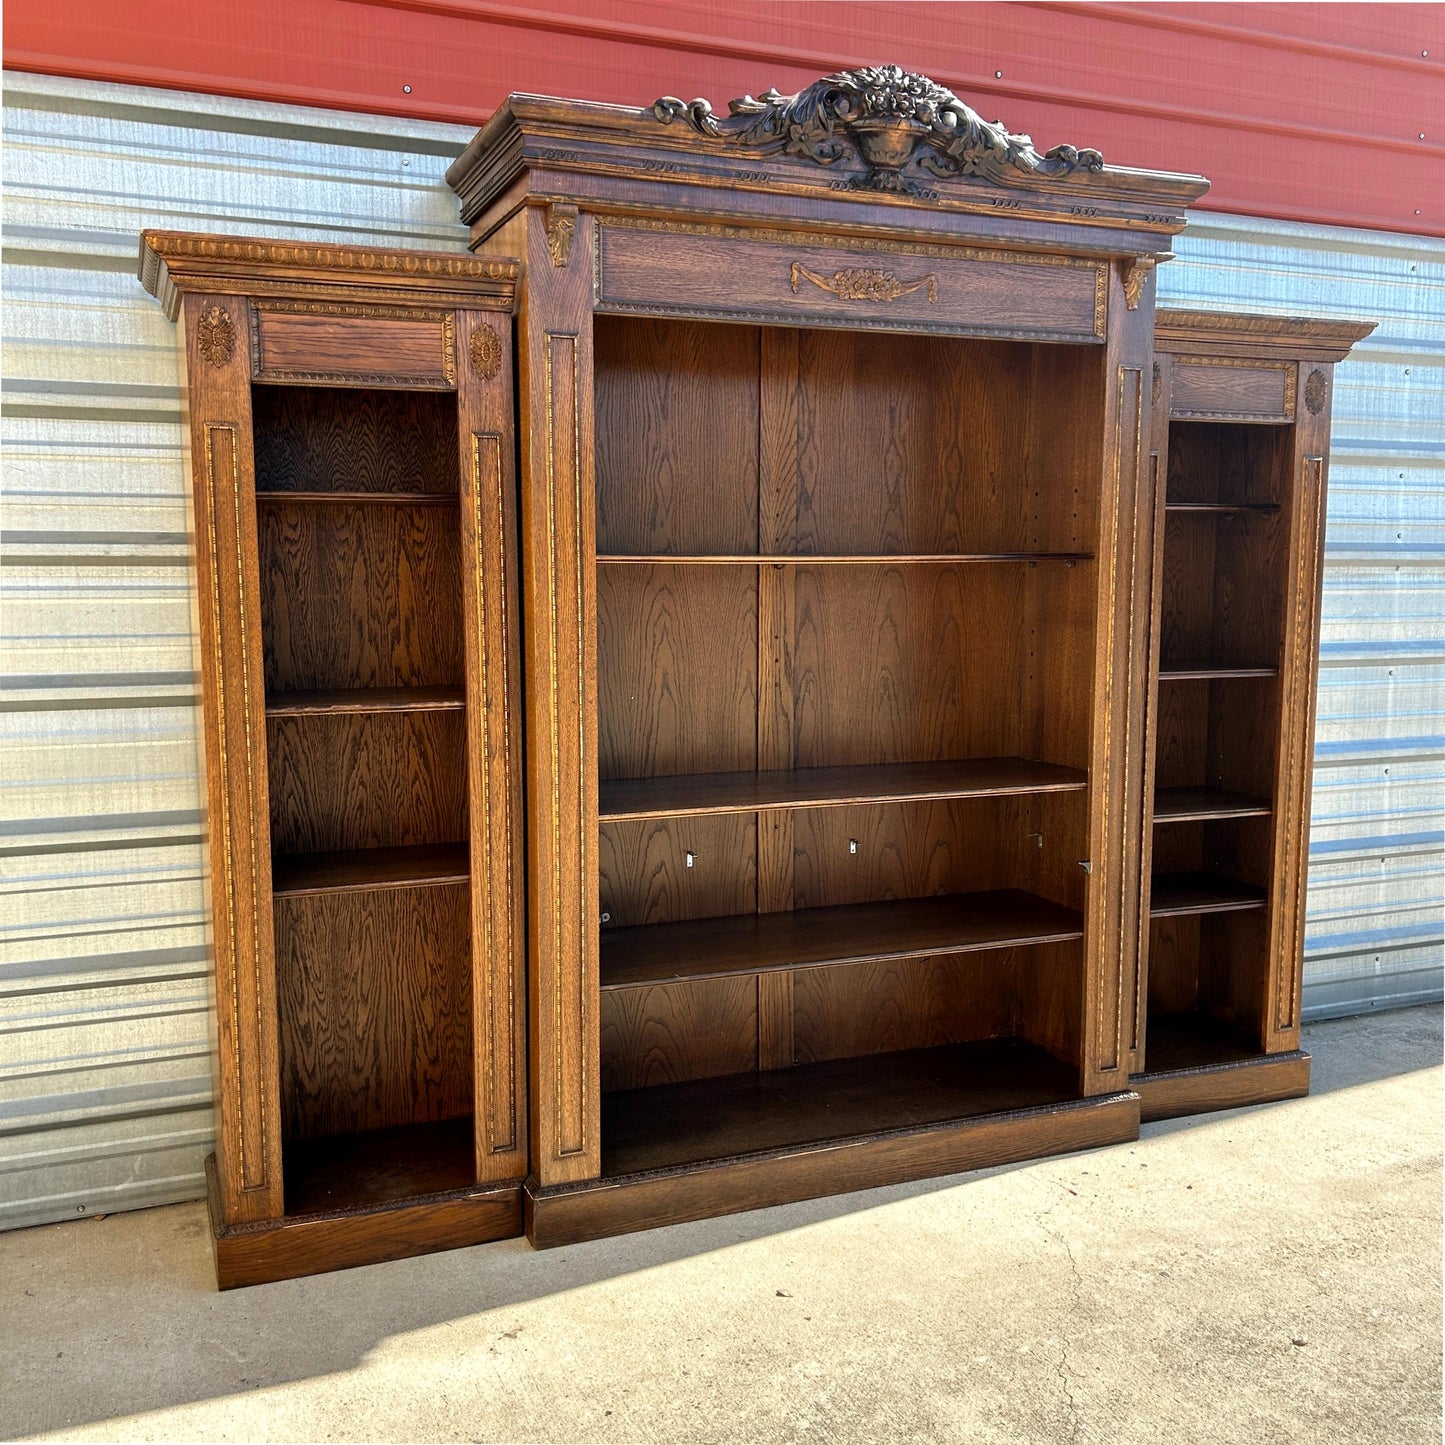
(836, 533)
(352, 470)
(919, 650)
(1242, 425)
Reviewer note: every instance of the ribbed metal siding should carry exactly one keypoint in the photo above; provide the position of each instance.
(104, 1075)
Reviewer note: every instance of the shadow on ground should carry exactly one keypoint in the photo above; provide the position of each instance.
(112, 1318)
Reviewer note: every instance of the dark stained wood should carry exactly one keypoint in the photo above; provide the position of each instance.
(851, 559)
(1201, 893)
(300, 341)
(378, 1166)
(371, 868)
(491, 638)
(374, 1006)
(342, 603)
(355, 499)
(360, 596)
(677, 447)
(826, 787)
(676, 671)
(364, 700)
(1180, 805)
(619, 1204)
(810, 937)
(1222, 507)
(328, 439)
(344, 781)
(283, 1248)
(1259, 1079)
(1172, 671)
(708, 1120)
(672, 1032)
(228, 593)
(790, 282)
(900, 1004)
(643, 874)
(1228, 388)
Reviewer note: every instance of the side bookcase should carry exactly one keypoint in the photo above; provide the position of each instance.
(351, 447)
(1242, 429)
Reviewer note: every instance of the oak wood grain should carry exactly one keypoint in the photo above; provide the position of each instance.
(347, 780)
(352, 439)
(360, 596)
(374, 1009)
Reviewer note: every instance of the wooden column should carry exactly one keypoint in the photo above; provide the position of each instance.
(1299, 671)
(559, 601)
(490, 611)
(248, 1122)
(1126, 539)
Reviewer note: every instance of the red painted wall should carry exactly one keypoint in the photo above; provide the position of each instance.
(1329, 113)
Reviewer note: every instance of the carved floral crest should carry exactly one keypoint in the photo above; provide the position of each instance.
(216, 335)
(886, 117)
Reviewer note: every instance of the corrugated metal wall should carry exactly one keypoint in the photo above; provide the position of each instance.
(104, 1083)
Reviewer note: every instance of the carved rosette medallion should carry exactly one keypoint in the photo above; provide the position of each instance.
(1316, 389)
(485, 351)
(863, 283)
(893, 122)
(216, 336)
(561, 228)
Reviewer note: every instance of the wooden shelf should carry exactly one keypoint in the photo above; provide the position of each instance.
(1174, 894)
(1189, 805)
(355, 1171)
(356, 499)
(816, 937)
(365, 700)
(676, 1125)
(1221, 508)
(1193, 1041)
(702, 793)
(860, 559)
(1196, 671)
(435, 864)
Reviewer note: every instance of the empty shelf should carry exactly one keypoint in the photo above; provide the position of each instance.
(674, 1125)
(1222, 508)
(1172, 894)
(812, 937)
(357, 700)
(1188, 805)
(1193, 1041)
(437, 863)
(831, 559)
(828, 787)
(356, 499)
(1189, 671)
(354, 1171)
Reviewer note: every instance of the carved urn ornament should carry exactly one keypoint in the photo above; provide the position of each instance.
(885, 117)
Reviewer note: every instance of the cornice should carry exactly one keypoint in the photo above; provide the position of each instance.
(172, 263)
(1284, 338)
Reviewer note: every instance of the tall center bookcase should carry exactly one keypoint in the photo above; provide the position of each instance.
(836, 532)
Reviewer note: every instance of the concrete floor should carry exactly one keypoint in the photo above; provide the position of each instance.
(1272, 1275)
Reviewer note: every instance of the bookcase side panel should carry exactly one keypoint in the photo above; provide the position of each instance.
(490, 609)
(248, 1129)
(559, 607)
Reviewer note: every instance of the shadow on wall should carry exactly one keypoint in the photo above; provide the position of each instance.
(120, 1317)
